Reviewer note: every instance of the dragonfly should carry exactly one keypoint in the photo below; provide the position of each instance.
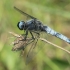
(36, 26)
(33, 26)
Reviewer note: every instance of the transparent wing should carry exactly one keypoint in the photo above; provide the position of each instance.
(20, 44)
(24, 13)
(31, 53)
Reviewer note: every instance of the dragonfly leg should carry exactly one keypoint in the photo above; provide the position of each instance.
(26, 35)
(32, 35)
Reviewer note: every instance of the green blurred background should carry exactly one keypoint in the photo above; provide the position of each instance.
(55, 14)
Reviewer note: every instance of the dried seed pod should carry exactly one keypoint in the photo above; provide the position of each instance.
(20, 44)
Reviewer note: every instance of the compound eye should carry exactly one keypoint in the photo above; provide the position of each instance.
(21, 25)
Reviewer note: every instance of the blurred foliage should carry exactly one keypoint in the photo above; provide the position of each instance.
(54, 13)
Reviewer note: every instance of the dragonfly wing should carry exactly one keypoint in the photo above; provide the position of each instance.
(24, 13)
(31, 53)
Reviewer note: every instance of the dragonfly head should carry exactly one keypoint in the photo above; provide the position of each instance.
(21, 25)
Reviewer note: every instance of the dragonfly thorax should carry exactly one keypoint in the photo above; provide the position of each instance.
(21, 25)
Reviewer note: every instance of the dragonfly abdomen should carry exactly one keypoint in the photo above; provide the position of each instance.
(54, 33)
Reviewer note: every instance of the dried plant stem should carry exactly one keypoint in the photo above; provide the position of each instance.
(54, 45)
(14, 34)
(42, 39)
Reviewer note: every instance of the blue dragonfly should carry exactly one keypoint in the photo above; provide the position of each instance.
(36, 26)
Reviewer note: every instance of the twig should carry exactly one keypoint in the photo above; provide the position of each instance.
(42, 39)
(14, 34)
(54, 45)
